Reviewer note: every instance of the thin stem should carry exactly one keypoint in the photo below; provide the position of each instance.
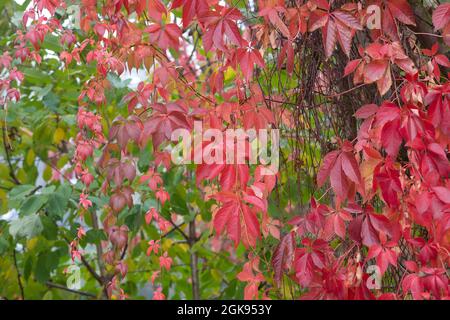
(344, 92)
(8, 159)
(19, 276)
(99, 250)
(91, 270)
(172, 230)
(61, 287)
(194, 262)
(428, 34)
(175, 227)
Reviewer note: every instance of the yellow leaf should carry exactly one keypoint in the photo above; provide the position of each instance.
(367, 168)
(4, 171)
(31, 244)
(3, 201)
(47, 175)
(216, 274)
(30, 157)
(229, 74)
(59, 135)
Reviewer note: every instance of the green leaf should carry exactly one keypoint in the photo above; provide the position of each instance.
(32, 204)
(133, 218)
(3, 245)
(36, 76)
(95, 236)
(57, 202)
(50, 229)
(51, 43)
(51, 101)
(21, 191)
(28, 267)
(48, 190)
(28, 226)
(47, 261)
(117, 82)
(178, 202)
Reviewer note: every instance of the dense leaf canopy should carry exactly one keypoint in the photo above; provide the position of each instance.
(92, 205)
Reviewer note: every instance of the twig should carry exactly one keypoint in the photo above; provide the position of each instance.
(98, 247)
(181, 77)
(428, 34)
(195, 47)
(344, 92)
(8, 159)
(170, 231)
(194, 262)
(19, 276)
(88, 266)
(91, 270)
(124, 252)
(61, 287)
(175, 227)
(151, 269)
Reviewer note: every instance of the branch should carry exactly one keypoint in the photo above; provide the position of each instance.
(335, 95)
(151, 269)
(91, 270)
(124, 252)
(19, 276)
(88, 266)
(175, 227)
(98, 246)
(8, 159)
(61, 287)
(194, 262)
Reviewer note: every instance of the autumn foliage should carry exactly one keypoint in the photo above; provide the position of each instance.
(376, 223)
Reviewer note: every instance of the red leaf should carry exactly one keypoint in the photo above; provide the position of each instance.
(338, 180)
(345, 37)
(347, 19)
(257, 202)
(218, 24)
(309, 259)
(247, 275)
(391, 138)
(236, 217)
(443, 194)
(165, 36)
(164, 120)
(350, 167)
(366, 111)
(329, 34)
(402, 11)
(222, 216)
(327, 165)
(387, 178)
(335, 224)
(234, 226)
(250, 226)
(283, 256)
(191, 9)
(278, 23)
(317, 19)
(442, 60)
(375, 70)
(351, 66)
(246, 59)
(441, 16)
